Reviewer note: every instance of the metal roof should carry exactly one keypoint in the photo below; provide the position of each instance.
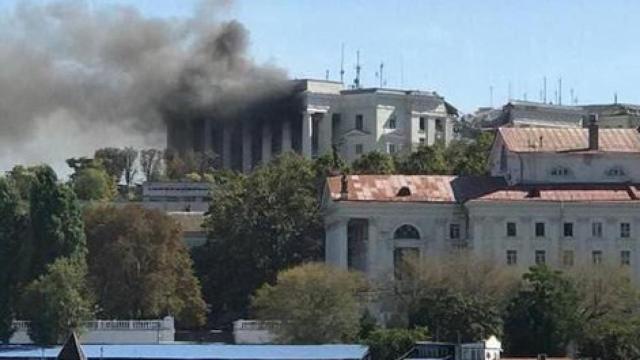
(191, 351)
(567, 140)
(565, 193)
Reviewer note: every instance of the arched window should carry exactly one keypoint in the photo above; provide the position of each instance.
(560, 171)
(406, 232)
(616, 171)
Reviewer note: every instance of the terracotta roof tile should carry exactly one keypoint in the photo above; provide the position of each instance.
(565, 192)
(558, 140)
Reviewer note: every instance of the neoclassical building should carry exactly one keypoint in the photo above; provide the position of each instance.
(315, 117)
(564, 197)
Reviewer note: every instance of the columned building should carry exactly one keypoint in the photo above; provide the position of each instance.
(563, 197)
(316, 117)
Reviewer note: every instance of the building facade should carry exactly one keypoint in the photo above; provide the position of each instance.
(316, 117)
(563, 197)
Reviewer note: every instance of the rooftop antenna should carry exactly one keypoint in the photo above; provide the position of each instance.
(525, 96)
(560, 90)
(509, 90)
(573, 100)
(615, 97)
(381, 74)
(356, 81)
(326, 75)
(544, 89)
(342, 64)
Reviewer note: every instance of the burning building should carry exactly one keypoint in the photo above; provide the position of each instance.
(312, 117)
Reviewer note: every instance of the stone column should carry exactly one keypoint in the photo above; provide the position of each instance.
(246, 147)
(307, 133)
(208, 141)
(286, 136)
(266, 142)
(226, 146)
(336, 243)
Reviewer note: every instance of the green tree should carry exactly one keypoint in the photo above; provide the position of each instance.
(276, 224)
(113, 160)
(57, 301)
(56, 228)
(543, 317)
(470, 158)
(316, 304)
(130, 170)
(374, 163)
(139, 266)
(391, 344)
(93, 184)
(453, 316)
(22, 178)
(427, 160)
(11, 221)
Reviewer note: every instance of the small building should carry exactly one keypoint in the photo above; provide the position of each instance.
(176, 196)
(489, 349)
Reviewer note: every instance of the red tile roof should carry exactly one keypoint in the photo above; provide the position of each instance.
(452, 189)
(558, 140)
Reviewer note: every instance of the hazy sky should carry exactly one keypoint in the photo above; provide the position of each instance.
(458, 48)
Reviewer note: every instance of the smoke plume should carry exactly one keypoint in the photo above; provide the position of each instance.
(75, 78)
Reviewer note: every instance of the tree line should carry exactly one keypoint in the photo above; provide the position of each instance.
(62, 264)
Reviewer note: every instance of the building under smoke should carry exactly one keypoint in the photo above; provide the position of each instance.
(312, 118)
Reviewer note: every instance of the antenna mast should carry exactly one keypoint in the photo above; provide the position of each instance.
(381, 73)
(544, 89)
(356, 82)
(342, 64)
(560, 91)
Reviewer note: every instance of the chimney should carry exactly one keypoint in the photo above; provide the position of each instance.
(344, 192)
(593, 132)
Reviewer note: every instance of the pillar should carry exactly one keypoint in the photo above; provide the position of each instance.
(226, 146)
(246, 148)
(286, 136)
(307, 133)
(336, 243)
(266, 142)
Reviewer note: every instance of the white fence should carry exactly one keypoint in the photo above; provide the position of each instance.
(254, 331)
(112, 331)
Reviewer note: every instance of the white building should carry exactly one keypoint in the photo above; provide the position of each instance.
(558, 196)
(174, 196)
(317, 116)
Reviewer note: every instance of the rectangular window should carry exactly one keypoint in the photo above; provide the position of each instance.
(404, 262)
(511, 229)
(541, 257)
(567, 229)
(625, 257)
(422, 124)
(567, 258)
(625, 230)
(539, 229)
(596, 229)
(454, 231)
(360, 122)
(439, 125)
(421, 141)
(358, 149)
(512, 257)
(392, 148)
(596, 256)
(391, 124)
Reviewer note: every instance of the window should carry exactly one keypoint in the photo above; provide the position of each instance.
(421, 141)
(512, 257)
(567, 258)
(392, 124)
(439, 125)
(404, 261)
(539, 229)
(454, 231)
(392, 148)
(625, 230)
(541, 257)
(511, 229)
(422, 124)
(359, 149)
(560, 171)
(596, 229)
(596, 257)
(615, 171)
(567, 229)
(625, 257)
(359, 122)
(406, 232)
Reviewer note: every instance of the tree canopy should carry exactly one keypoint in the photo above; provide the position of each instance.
(316, 304)
(139, 266)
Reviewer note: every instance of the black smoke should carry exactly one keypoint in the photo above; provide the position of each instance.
(75, 77)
